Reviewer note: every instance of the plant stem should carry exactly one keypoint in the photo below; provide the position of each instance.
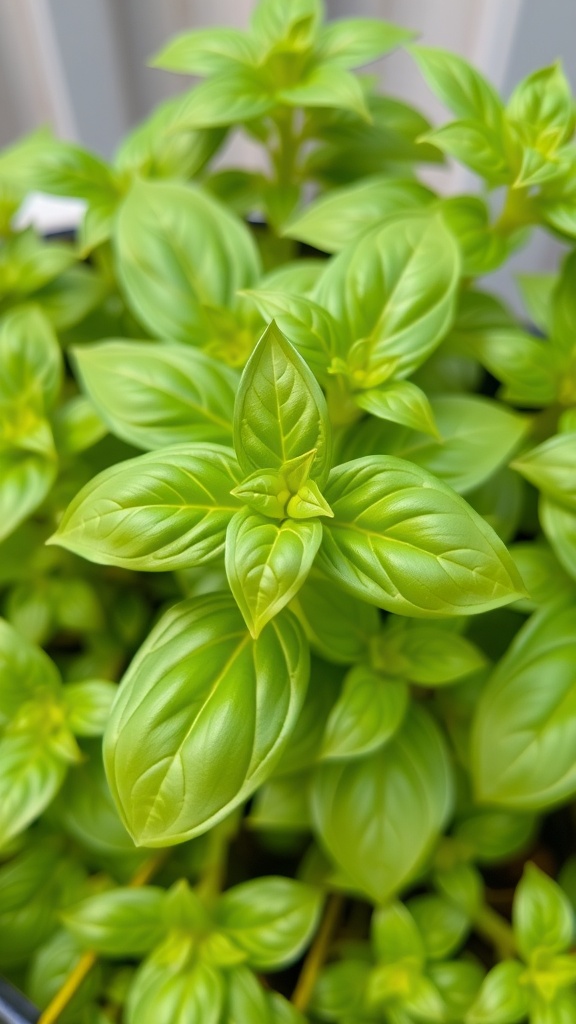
(492, 926)
(318, 952)
(74, 980)
(517, 212)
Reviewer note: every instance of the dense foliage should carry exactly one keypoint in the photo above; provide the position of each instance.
(280, 468)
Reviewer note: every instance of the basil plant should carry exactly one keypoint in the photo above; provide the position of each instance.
(288, 551)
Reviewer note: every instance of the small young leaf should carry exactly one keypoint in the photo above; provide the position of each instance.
(367, 714)
(30, 359)
(380, 816)
(543, 109)
(280, 411)
(164, 510)
(442, 925)
(119, 923)
(26, 673)
(404, 541)
(217, 708)
(156, 395)
(271, 919)
(232, 96)
(267, 563)
(543, 916)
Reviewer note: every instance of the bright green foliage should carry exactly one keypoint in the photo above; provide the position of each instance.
(288, 551)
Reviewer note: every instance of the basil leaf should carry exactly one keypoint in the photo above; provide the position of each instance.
(404, 541)
(380, 816)
(527, 367)
(483, 249)
(327, 85)
(232, 96)
(551, 467)
(87, 813)
(338, 626)
(367, 714)
(524, 732)
(30, 359)
(425, 654)
(174, 984)
(26, 673)
(305, 324)
(477, 146)
(301, 752)
(25, 480)
(155, 395)
(355, 41)
(280, 411)
(543, 575)
(340, 990)
(31, 774)
(267, 563)
(478, 436)
(394, 289)
(341, 216)
(179, 251)
(442, 925)
(401, 402)
(247, 1002)
(164, 510)
(273, 22)
(119, 923)
(460, 87)
(559, 525)
(217, 707)
(206, 52)
(88, 706)
(283, 804)
(543, 915)
(542, 108)
(537, 295)
(502, 998)
(271, 919)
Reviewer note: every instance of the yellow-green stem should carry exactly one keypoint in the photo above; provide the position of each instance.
(318, 953)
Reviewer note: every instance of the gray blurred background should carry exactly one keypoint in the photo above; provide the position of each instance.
(80, 65)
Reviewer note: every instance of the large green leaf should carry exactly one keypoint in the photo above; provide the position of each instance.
(156, 395)
(163, 510)
(343, 215)
(179, 252)
(524, 730)
(477, 437)
(30, 359)
(216, 707)
(394, 290)
(405, 541)
(351, 42)
(271, 919)
(380, 816)
(267, 562)
(280, 411)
